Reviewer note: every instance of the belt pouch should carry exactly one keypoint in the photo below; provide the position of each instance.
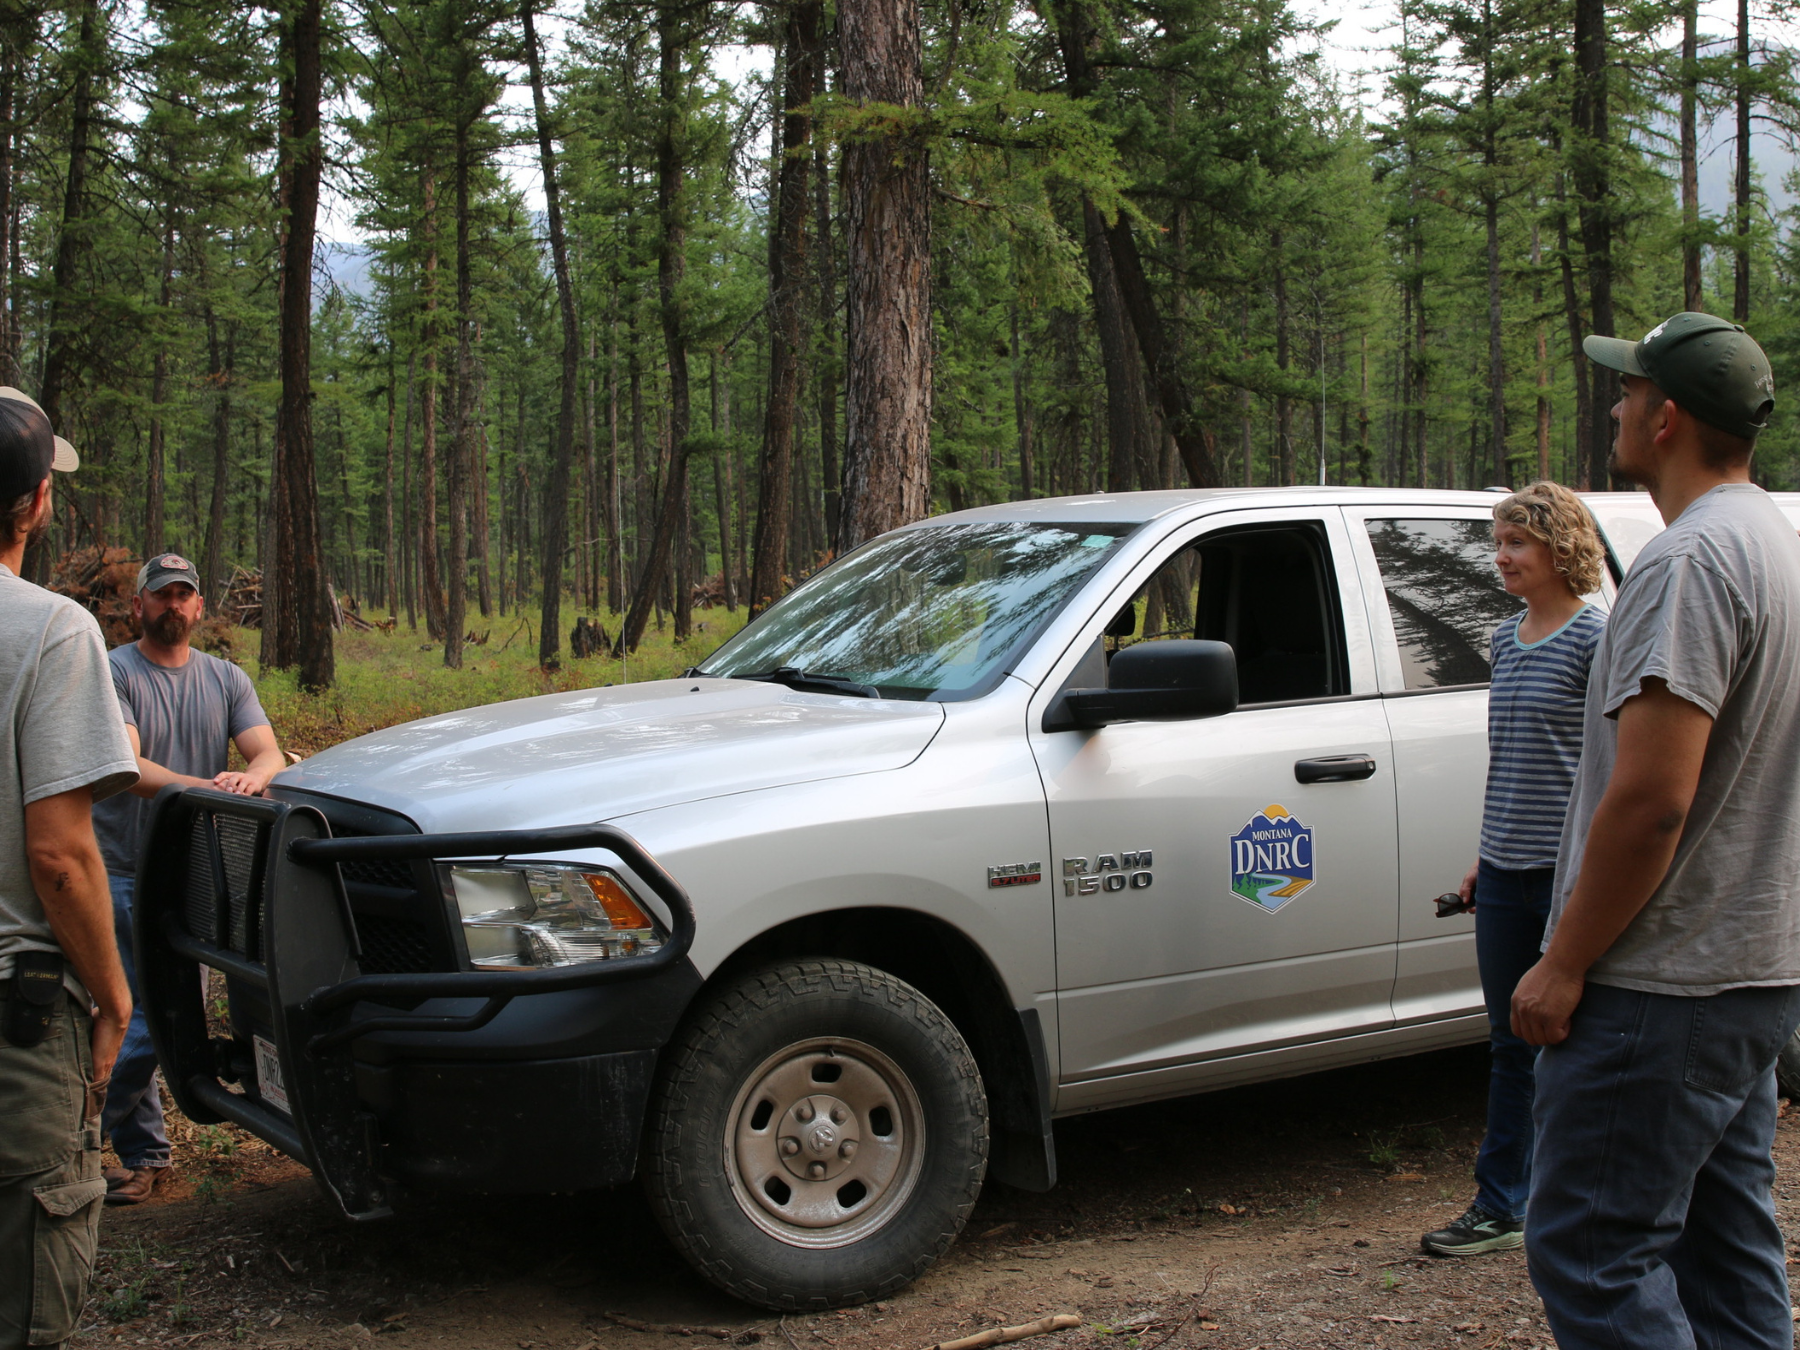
(37, 989)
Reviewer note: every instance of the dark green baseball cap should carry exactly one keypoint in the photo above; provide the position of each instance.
(1708, 365)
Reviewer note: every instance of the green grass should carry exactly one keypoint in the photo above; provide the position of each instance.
(393, 677)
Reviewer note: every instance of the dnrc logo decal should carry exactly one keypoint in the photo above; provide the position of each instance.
(1271, 859)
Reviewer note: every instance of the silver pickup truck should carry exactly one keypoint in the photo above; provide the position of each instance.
(1024, 811)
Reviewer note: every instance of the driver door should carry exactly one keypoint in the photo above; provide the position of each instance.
(1225, 886)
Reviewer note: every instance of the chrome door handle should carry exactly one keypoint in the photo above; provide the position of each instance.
(1334, 769)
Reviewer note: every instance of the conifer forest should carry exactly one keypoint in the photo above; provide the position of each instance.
(451, 308)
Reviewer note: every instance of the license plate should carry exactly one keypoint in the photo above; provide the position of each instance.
(268, 1076)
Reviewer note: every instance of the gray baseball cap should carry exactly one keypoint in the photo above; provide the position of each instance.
(165, 569)
(1708, 365)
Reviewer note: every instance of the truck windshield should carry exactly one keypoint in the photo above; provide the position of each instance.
(932, 613)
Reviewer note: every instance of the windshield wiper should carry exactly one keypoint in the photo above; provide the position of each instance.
(795, 678)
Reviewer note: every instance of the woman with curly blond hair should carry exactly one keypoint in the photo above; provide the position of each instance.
(1549, 554)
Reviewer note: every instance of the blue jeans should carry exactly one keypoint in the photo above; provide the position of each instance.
(1652, 1223)
(1510, 910)
(133, 1114)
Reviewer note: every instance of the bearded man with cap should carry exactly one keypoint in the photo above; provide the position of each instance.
(64, 1003)
(1670, 977)
(183, 711)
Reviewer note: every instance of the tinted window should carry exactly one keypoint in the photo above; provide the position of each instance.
(1444, 595)
(1267, 593)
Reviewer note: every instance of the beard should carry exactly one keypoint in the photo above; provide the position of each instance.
(170, 628)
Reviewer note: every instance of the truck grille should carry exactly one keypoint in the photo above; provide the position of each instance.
(393, 946)
(400, 919)
(226, 910)
(394, 875)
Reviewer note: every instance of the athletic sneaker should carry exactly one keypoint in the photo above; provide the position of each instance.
(1476, 1232)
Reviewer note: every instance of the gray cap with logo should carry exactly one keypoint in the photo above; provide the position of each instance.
(1708, 365)
(166, 568)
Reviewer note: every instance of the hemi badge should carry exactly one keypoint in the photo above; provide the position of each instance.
(1016, 874)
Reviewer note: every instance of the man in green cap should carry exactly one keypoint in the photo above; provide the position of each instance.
(1670, 977)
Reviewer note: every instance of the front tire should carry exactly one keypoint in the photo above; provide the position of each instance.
(818, 1136)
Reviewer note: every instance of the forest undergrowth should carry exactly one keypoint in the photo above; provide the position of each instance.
(394, 676)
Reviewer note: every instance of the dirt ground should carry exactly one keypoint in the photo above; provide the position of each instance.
(1286, 1215)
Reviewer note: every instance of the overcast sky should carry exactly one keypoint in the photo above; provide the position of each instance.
(1356, 47)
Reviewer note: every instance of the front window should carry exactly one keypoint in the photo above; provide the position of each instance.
(939, 612)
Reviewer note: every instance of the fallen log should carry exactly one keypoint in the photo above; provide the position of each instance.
(670, 1328)
(1006, 1335)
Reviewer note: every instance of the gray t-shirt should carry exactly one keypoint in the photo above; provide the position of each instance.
(60, 730)
(1712, 608)
(186, 718)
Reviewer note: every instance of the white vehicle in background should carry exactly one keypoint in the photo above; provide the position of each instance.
(1024, 811)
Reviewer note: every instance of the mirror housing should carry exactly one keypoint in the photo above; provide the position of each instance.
(1153, 682)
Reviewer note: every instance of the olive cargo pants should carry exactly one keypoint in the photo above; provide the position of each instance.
(50, 1183)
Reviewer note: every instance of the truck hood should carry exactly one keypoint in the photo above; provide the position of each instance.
(601, 753)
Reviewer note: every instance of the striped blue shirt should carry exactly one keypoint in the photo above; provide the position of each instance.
(1535, 706)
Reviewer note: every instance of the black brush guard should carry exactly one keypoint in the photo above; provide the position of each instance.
(251, 887)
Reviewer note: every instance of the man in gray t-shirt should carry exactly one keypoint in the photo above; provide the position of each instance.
(64, 1004)
(183, 711)
(1670, 977)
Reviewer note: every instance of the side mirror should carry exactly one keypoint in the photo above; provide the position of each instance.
(1153, 682)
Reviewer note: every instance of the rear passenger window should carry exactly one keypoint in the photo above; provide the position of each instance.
(1265, 590)
(1444, 596)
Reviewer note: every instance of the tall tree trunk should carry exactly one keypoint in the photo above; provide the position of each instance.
(9, 80)
(1022, 418)
(1740, 270)
(829, 465)
(1690, 155)
(214, 576)
(671, 267)
(71, 242)
(556, 520)
(787, 272)
(1284, 417)
(596, 529)
(615, 507)
(1421, 370)
(1496, 369)
(1490, 158)
(1246, 436)
(721, 425)
(1362, 414)
(1127, 419)
(480, 489)
(1572, 314)
(1543, 358)
(305, 610)
(1593, 191)
(436, 619)
(155, 486)
(390, 575)
(1074, 34)
(410, 550)
(462, 448)
(887, 229)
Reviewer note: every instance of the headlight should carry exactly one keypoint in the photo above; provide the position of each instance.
(546, 914)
